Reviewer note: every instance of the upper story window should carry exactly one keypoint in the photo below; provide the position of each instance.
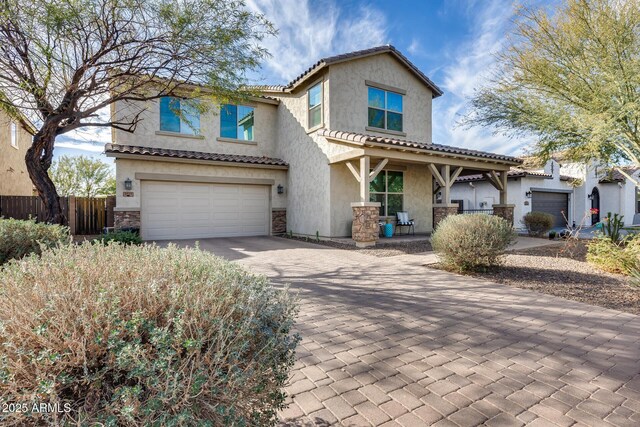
(14, 135)
(179, 117)
(237, 122)
(388, 189)
(385, 109)
(315, 105)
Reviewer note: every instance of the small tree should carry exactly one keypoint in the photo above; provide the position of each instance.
(82, 176)
(64, 61)
(571, 78)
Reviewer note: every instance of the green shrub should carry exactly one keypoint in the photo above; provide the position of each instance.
(612, 225)
(124, 237)
(622, 257)
(19, 238)
(472, 242)
(139, 335)
(537, 223)
(606, 255)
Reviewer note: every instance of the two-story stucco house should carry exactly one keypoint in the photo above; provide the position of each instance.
(343, 145)
(14, 143)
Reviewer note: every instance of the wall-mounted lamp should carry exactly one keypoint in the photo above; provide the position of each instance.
(528, 194)
(280, 189)
(590, 196)
(128, 184)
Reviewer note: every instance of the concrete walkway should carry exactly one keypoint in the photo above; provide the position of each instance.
(387, 341)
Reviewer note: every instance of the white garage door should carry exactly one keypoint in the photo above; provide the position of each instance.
(177, 210)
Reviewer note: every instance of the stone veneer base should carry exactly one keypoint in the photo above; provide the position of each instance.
(441, 211)
(278, 221)
(126, 219)
(365, 229)
(504, 211)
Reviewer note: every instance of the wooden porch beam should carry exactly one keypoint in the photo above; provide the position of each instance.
(374, 173)
(455, 174)
(354, 171)
(493, 178)
(436, 174)
(365, 165)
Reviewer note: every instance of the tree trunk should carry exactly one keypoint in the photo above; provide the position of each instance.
(38, 159)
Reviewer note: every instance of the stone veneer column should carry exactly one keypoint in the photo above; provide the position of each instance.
(126, 219)
(278, 221)
(365, 229)
(443, 210)
(504, 211)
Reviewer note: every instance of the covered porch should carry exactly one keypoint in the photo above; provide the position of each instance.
(438, 166)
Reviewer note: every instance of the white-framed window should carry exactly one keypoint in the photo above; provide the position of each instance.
(388, 189)
(314, 96)
(385, 109)
(237, 122)
(179, 117)
(14, 134)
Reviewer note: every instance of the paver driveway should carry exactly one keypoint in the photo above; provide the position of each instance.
(387, 341)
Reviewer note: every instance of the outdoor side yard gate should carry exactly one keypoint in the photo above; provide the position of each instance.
(84, 215)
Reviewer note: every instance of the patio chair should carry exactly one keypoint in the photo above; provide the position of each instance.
(402, 220)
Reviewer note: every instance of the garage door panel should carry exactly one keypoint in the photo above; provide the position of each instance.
(191, 210)
(551, 203)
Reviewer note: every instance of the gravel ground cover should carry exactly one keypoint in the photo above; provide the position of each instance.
(386, 250)
(562, 270)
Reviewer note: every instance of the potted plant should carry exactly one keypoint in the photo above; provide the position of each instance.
(552, 235)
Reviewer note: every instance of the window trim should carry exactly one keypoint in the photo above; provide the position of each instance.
(387, 192)
(321, 105)
(196, 133)
(251, 141)
(13, 137)
(385, 110)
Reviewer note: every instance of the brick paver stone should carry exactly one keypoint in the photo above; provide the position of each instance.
(450, 350)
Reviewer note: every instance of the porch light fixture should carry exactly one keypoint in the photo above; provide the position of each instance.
(128, 184)
(590, 196)
(528, 194)
(280, 189)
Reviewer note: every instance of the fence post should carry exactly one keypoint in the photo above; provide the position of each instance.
(72, 215)
(111, 204)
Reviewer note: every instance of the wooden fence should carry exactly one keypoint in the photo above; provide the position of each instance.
(84, 215)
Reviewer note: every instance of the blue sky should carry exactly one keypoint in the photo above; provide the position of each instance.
(452, 41)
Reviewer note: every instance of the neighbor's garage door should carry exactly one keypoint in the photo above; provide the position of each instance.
(552, 203)
(176, 210)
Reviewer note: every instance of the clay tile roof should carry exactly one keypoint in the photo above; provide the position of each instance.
(364, 139)
(195, 155)
(350, 56)
(515, 173)
(616, 176)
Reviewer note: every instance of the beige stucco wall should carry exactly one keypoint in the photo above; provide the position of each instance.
(349, 96)
(127, 168)
(308, 185)
(146, 136)
(14, 178)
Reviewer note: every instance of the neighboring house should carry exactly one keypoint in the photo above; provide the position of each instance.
(566, 191)
(345, 144)
(14, 142)
(604, 189)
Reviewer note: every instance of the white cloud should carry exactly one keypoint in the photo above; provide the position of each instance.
(90, 139)
(309, 30)
(472, 63)
(415, 48)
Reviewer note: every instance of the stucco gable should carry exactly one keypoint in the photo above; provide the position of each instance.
(350, 56)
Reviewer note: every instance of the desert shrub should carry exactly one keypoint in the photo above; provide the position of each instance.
(472, 242)
(621, 257)
(606, 255)
(537, 223)
(19, 238)
(140, 335)
(124, 237)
